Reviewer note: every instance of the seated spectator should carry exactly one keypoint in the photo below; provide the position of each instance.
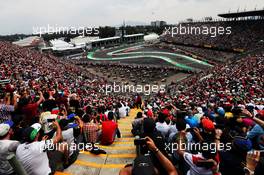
(137, 124)
(70, 133)
(122, 109)
(204, 163)
(161, 125)
(91, 133)
(109, 130)
(232, 159)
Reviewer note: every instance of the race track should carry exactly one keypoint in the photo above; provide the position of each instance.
(138, 52)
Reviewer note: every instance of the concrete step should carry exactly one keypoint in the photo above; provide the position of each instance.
(120, 153)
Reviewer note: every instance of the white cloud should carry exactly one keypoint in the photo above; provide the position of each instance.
(20, 16)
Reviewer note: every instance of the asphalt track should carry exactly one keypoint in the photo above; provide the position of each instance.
(136, 52)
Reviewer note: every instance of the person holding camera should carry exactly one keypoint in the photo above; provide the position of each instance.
(40, 155)
(144, 165)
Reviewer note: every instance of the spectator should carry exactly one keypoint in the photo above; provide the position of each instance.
(7, 146)
(109, 130)
(33, 154)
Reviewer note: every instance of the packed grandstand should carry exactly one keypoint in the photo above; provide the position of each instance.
(49, 103)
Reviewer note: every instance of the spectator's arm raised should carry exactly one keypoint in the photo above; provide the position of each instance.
(58, 136)
(165, 162)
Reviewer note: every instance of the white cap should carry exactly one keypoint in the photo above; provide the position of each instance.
(36, 126)
(4, 128)
(149, 107)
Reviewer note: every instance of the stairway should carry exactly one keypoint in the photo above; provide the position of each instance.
(120, 153)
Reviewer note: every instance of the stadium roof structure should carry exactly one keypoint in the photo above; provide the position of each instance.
(29, 41)
(60, 45)
(243, 14)
(106, 39)
(151, 37)
(134, 35)
(80, 40)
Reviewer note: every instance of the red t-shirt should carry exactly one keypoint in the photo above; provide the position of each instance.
(108, 130)
(30, 111)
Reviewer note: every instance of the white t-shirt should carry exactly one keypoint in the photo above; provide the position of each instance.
(33, 158)
(69, 138)
(195, 170)
(163, 128)
(122, 111)
(6, 147)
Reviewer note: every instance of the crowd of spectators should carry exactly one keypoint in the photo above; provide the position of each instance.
(221, 109)
(245, 34)
(48, 104)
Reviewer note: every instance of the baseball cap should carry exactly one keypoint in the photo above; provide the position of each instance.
(55, 111)
(208, 124)
(4, 127)
(166, 112)
(73, 125)
(9, 122)
(30, 133)
(192, 122)
(71, 116)
(260, 113)
(221, 111)
(248, 122)
(242, 144)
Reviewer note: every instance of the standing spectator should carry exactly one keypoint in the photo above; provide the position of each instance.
(30, 109)
(33, 153)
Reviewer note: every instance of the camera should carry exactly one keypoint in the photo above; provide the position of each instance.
(189, 130)
(140, 141)
(50, 120)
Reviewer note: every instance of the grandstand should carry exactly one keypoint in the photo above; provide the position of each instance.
(213, 94)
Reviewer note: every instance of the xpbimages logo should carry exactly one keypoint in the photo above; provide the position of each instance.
(212, 31)
(72, 30)
(146, 89)
(212, 147)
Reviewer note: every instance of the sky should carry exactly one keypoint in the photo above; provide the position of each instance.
(22, 16)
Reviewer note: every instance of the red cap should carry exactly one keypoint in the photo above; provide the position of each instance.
(149, 113)
(166, 112)
(261, 113)
(208, 124)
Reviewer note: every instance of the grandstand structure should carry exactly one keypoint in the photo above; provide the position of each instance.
(211, 91)
(240, 40)
(255, 14)
(80, 44)
(116, 41)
